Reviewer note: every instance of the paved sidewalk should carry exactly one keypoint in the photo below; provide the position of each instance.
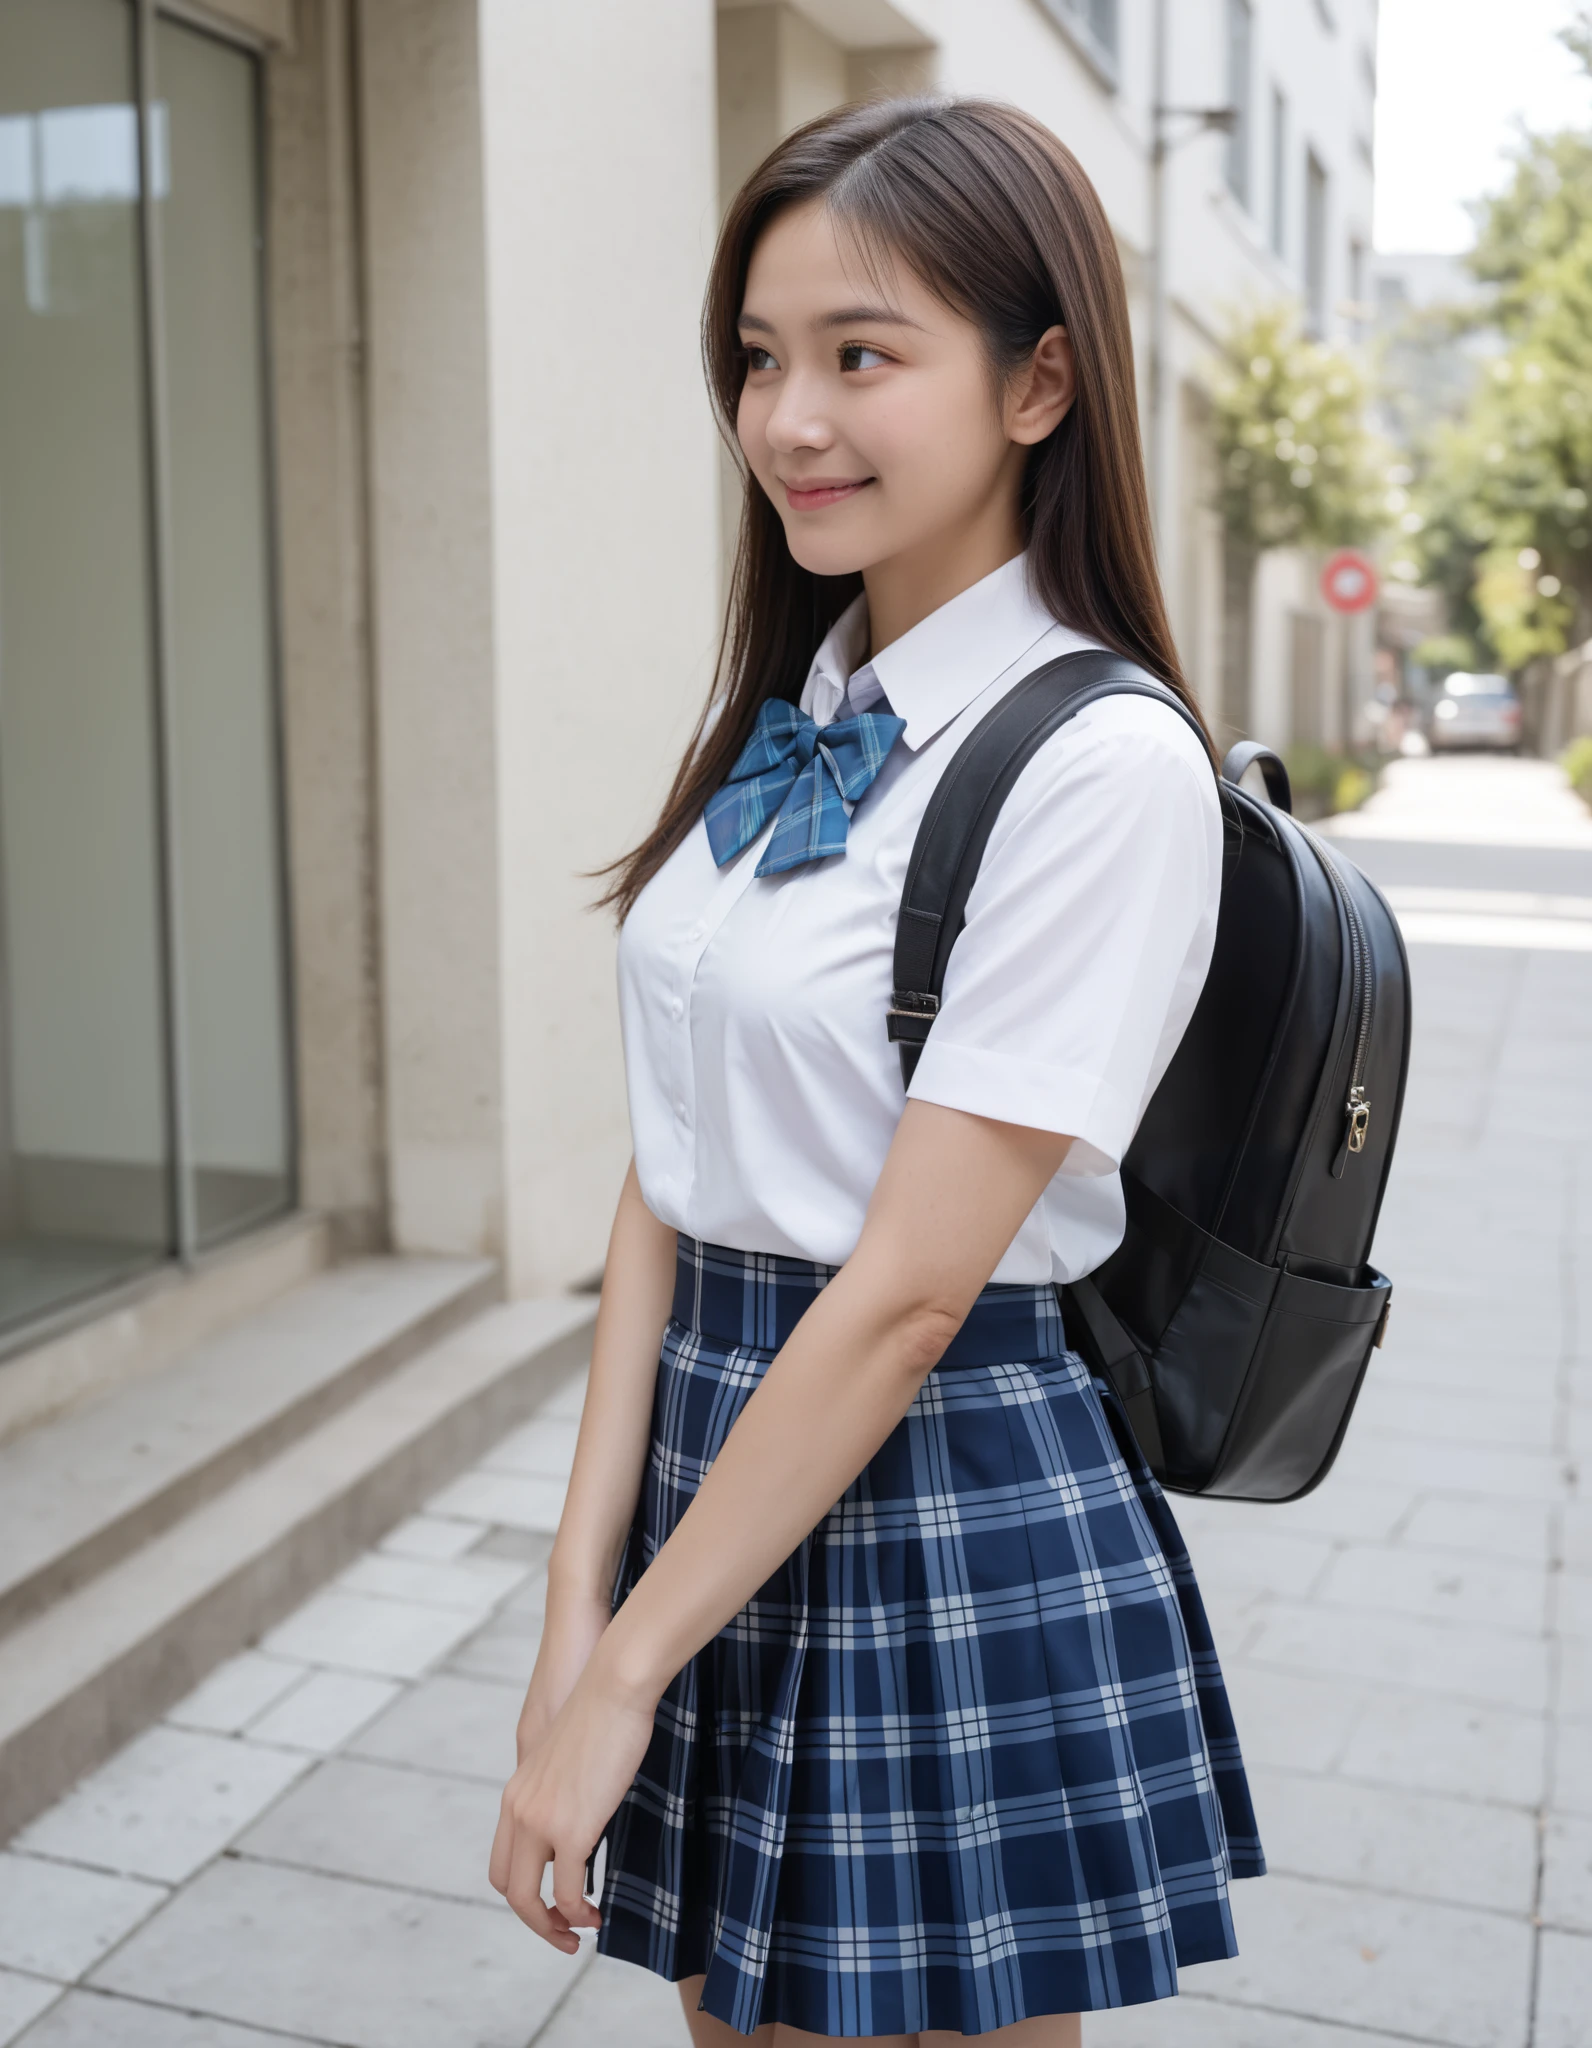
(298, 1852)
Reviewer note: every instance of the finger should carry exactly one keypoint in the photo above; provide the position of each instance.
(569, 1888)
(501, 1861)
(525, 1894)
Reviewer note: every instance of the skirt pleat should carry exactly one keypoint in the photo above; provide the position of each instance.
(967, 1757)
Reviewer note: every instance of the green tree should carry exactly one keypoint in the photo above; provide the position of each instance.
(1296, 465)
(1505, 490)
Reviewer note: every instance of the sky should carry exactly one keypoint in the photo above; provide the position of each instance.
(1454, 80)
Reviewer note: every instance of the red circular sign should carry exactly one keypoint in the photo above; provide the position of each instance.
(1348, 582)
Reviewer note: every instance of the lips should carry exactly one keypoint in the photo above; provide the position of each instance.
(813, 496)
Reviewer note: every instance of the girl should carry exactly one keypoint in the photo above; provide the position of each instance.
(906, 1725)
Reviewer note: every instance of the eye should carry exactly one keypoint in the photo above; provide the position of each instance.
(858, 355)
(758, 358)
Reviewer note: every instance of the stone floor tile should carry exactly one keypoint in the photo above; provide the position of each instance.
(1422, 1743)
(1575, 1678)
(523, 1546)
(1503, 1416)
(1567, 1874)
(1572, 1769)
(1442, 1585)
(505, 1649)
(545, 1447)
(1490, 1473)
(57, 1920)
(1577, 1527)
(1360, 1959)
(617, 2005)
(388, 1638)
(363, 1965)
(1513, 1529)
(1281, 1562)
(1564, 1991)
(414, 1829)
(1573, 1605)
(164, 1805)
(516, 1500)
(1453, 1659)
(432, 1536)
(566, 1404)
(473, 1583)
(1285, 1717)
(1418, 1843)
(1356, 1510)
(235, 1693)
(93, 2019)
(327, 1708)
(1195, 2021)
(22, 1999)
(461, 1726)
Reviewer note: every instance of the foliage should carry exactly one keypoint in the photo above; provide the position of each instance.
(1502, 518)
(1324, 781)
(1576, 761)
(1448, 653)
(1296, 465)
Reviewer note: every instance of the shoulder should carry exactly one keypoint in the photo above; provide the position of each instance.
(1124, 756)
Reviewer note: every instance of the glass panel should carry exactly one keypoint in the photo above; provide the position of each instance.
(84, 1173)
(229, 913)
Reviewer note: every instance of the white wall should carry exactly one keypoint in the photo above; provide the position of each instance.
(601, 209)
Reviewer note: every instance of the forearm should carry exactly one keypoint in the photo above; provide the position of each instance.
(615, 1428)
(842, 1382)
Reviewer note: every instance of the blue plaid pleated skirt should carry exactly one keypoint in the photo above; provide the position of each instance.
(967, 1758)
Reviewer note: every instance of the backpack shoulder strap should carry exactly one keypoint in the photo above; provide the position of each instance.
(961, 815)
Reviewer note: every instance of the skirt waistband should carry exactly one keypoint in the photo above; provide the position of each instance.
(753, 1300)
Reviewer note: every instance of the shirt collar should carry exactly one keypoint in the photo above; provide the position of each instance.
(933, 673)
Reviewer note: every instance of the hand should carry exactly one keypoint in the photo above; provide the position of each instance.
(572, 1630)
(564, 1793)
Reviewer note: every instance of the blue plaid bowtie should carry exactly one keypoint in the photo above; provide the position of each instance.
(803, 775)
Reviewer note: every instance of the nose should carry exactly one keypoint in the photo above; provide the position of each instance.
(798, 419)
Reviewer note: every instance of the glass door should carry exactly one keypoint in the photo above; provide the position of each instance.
(145, 1091)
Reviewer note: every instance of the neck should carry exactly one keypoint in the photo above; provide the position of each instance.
(903, 591)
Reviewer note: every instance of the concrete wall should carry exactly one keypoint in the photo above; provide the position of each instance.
(601, 209)
(317, 357)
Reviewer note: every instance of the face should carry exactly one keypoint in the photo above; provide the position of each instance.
(869, 414)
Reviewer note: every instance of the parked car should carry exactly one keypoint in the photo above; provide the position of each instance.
(1476, 711)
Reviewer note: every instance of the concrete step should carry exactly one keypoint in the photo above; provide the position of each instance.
(103, 1661)
(80, 1493)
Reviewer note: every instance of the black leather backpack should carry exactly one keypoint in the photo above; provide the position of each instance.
(1238, 1316)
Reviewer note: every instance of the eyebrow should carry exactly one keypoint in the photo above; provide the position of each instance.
(847, 316)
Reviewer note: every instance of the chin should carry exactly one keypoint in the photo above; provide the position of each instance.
(832, 554)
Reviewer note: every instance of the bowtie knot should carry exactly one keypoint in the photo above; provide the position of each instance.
(803, 775)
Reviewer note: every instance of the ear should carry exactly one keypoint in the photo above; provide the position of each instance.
(1040, 394)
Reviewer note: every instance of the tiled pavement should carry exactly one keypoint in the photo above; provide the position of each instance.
(298, 1851)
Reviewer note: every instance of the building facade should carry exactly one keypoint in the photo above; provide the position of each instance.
(362, 532)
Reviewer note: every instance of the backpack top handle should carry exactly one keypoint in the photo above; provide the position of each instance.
(1244, 756)
(961, 815)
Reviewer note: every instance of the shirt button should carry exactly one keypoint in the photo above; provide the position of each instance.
(696, 931)
(677, 1008)
(679, 1110)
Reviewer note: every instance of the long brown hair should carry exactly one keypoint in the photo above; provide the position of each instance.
(997, 218)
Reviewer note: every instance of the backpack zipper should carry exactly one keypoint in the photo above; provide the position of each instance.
(1357, 1108)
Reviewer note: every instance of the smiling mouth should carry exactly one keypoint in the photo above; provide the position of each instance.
(814, 497)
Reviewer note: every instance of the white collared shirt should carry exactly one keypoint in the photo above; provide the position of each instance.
(763, 1090)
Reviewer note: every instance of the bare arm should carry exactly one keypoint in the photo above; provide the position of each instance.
(610, 1454)
(953, 1194)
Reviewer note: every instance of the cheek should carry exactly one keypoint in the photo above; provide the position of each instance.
(751, 424)
(929, 432)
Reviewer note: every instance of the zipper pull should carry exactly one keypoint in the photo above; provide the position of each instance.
(1358, 1112)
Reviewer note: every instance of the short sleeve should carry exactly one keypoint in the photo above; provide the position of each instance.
(1089, 932)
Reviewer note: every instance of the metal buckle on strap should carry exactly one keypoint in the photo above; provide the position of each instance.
(909, 1016)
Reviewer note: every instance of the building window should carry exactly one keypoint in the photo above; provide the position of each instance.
(144, 1064)
(1279, 172)
(1094, 27)
(1358, 309)
(1315, 243)
(1240, 37)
